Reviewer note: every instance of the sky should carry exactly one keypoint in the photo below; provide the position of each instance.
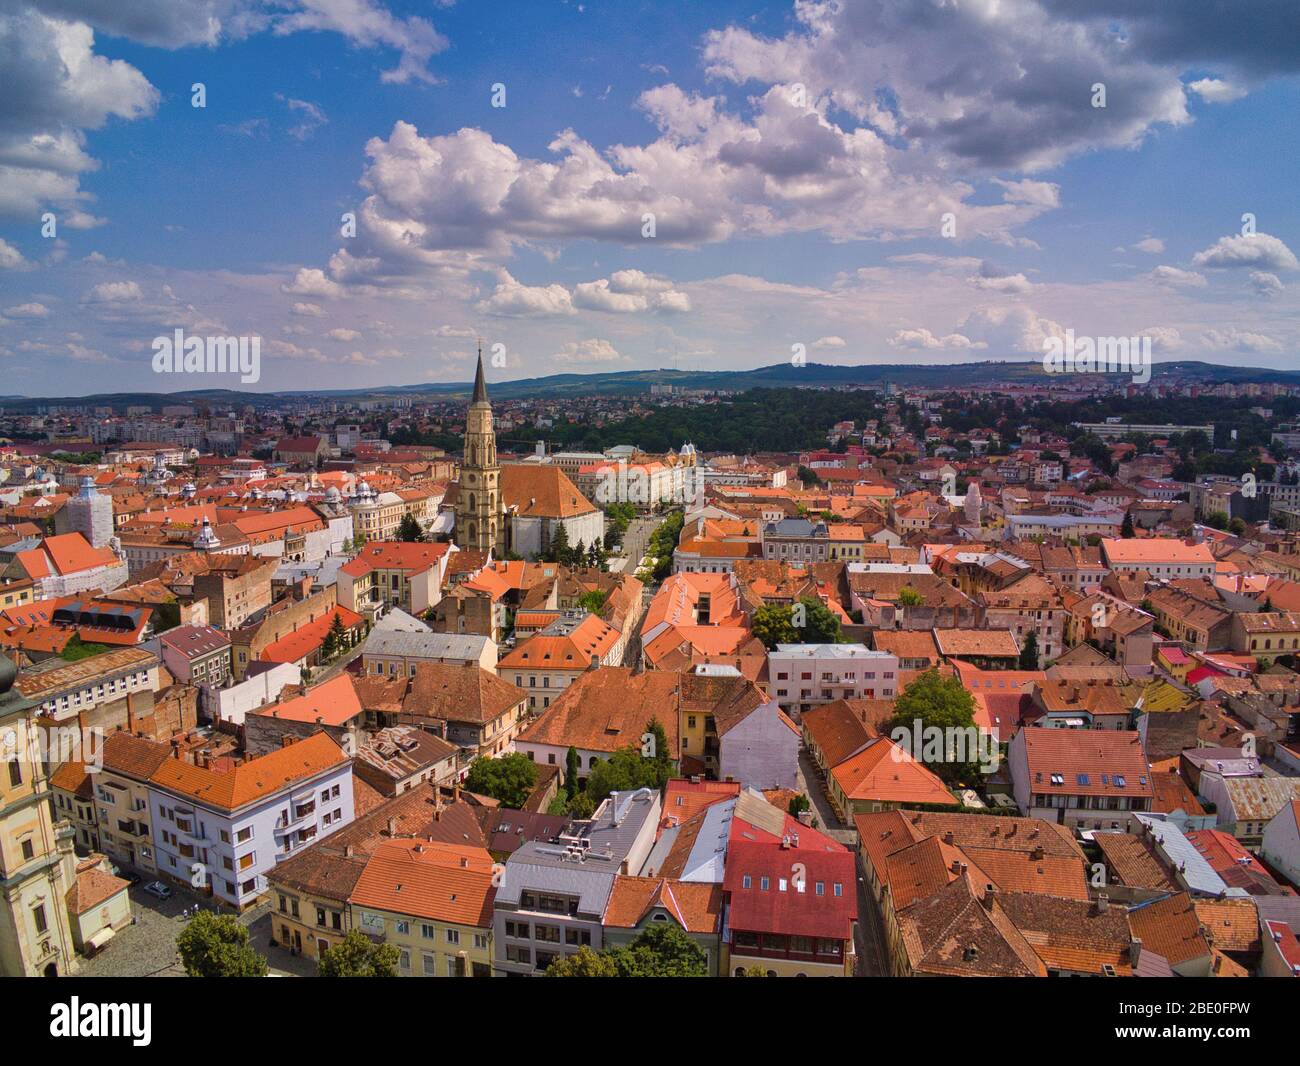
(371, 185)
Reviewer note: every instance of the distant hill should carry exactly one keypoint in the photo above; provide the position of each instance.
(627, 382)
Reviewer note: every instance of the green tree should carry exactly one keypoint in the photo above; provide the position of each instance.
(820, 625)
(510, 779)
(583, 963)
(409, 530)
(1217, 520)
(1029, 653)
(797, 805)
(752, 971)
(216, 945)
(356, 955)
(592, 600)
(572, 769)
(335, 639)
(942, 702)
(909, 597)
(559, 551)
(773, 625)
(1126, 527)
(1237, 527)
(661, 951)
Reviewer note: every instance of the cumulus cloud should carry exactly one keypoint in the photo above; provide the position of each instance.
(27, 310)
(1240, 340)
(56, 88)
(514, 300)
(1216, 91)
(1265, 284)
(311, 281)
(919, 339)
(10, 257)
(1260, 251)
(592, 350)
(113, 292)
(1010, 329)
(823, 344)
(998, 85)
(1175, 276)
(1150, 245)
(342, 334)
(994, 279)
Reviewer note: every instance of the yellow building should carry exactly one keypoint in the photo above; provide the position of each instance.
(433, 902)
(37, 866)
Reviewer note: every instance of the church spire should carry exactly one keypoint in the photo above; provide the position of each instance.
(480, 386)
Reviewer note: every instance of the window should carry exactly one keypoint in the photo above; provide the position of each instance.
(29, 852)
(427, 931)
(403, 927)
(430, 966)
(38, 916)
(15, 772)
(320, 915)
(764, 884)
(244, 834)
(453, 936)
(821, 888)
(404, 960)
(839, 889)
(245, 861)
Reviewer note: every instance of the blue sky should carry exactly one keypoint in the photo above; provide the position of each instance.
(799, 161)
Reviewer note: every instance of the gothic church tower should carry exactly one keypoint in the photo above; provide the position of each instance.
(478, 503)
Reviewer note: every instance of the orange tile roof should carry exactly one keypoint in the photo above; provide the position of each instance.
(394, 555)
(886, 773)
(253, 780)
(592, 637)
(303, 641)
(696, 906)
(332, 703)
(429, 879)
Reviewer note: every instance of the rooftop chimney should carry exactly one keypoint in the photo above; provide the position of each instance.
(989, 892)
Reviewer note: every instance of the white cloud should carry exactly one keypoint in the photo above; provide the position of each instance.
(341, 334)
(1215, 91)
(512, 299)
(307, 310)
(918, 339)
(1259, 250)
(1150, 245)
(27, 310)
(1265, 284)
(311, 281)
(822, 344)
(10, 257)
(1171, 275)
(592, 350)
(1241, 340)
(113, 292)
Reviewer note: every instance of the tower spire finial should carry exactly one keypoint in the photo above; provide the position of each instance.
(480, 385)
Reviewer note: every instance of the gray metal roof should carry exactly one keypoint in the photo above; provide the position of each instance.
(1190, 863)
(425, 645)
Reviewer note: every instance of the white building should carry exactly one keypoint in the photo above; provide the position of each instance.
(805, 675)
(224, 828)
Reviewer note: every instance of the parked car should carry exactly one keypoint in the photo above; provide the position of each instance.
(158, 889)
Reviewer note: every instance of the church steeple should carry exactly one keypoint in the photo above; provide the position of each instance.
(479, 517)
(480, 386)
